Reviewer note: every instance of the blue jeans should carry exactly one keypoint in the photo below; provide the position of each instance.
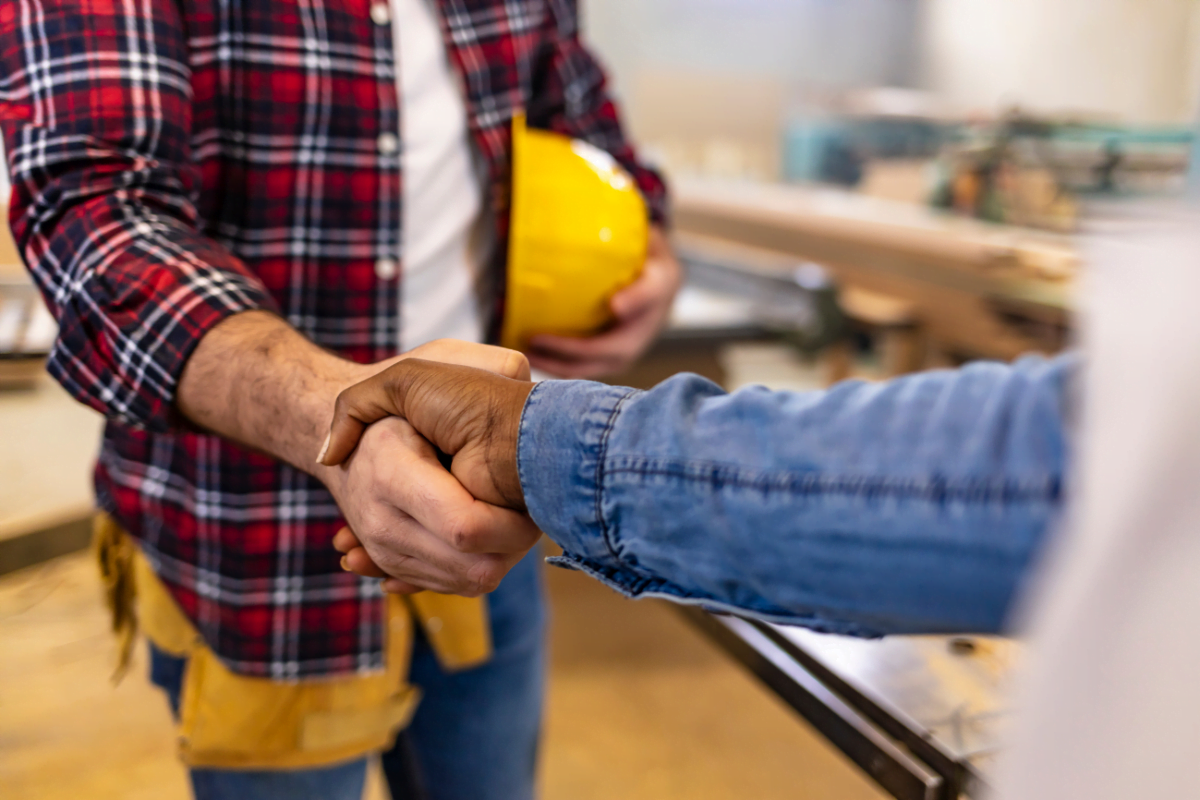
(474, 736)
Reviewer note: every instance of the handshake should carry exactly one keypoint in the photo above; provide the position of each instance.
(412, 522)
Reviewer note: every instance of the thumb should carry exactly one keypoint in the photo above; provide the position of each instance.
(356, 408)
(375, 398)
(422, 392)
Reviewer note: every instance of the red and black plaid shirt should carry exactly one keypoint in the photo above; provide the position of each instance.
(177, 161)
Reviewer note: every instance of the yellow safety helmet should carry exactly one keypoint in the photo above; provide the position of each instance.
(578, 234)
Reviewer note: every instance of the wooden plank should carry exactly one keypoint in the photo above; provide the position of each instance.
(951, 271)
(849, 225)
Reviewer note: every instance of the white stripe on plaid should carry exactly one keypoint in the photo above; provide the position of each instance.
(155, 194)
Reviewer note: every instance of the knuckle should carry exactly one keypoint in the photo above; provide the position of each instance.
(463, 533)
(517, 365)
(388, 432)
(433, 351)
(382, 527)
(465, 590)
(484, 576)
(372, 527)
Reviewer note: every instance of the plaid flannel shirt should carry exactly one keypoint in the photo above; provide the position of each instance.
(178, 161)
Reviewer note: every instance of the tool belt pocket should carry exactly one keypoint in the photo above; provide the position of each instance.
(233, 721)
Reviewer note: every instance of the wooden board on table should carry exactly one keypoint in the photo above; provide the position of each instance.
(954, 271)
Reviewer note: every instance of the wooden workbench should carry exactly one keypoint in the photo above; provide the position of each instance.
(979, 290)
(49, 447)
(46, 500)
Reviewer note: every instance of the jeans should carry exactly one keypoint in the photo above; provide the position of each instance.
(474, 735)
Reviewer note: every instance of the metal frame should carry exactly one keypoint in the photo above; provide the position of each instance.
(889, 749)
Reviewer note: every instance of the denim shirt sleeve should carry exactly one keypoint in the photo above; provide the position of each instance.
(910, 506)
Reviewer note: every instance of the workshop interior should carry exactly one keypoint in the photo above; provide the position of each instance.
(854, 191)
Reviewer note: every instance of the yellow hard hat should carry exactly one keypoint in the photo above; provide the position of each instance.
(578, 234)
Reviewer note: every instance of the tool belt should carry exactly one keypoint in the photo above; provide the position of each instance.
(233, 721)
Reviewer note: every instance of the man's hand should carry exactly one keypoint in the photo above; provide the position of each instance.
(417, 522)
(256, 380)
(473, 416)
(640, 310)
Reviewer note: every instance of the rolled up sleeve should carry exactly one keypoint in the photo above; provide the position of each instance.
(564, 431)
(95, 108)
(912, 506)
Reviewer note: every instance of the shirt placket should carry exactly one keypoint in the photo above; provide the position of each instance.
(387, 146)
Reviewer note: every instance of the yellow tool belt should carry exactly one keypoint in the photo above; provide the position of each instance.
(234, 721)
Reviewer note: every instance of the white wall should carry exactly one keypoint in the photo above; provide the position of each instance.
(708, 84)
(827, 42)
(1137, 60)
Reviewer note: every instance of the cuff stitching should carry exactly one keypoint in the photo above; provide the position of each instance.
(521, 428)
(601, 449)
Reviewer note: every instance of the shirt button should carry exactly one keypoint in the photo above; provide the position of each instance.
(388, 143)
(381, 14)
(386, 269)
(433, 624)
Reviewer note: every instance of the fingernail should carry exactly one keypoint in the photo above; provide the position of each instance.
(324, 448)
(345, 564)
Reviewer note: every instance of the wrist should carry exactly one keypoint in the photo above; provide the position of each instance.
(505, 439)
(257, 381)
(334, 378)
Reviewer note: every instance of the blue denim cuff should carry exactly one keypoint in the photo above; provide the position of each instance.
(560, 455)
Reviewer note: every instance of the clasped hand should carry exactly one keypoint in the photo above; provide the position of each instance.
(411, 521)
(460, 532)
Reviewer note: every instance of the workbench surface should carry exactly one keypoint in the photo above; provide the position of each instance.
(50, 444)
(964, 278)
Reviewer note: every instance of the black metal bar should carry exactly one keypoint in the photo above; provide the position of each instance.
(956, 774)
(889, 765)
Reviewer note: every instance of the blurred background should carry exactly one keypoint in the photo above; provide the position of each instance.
(862, 188)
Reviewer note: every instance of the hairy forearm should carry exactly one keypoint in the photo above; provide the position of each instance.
(256, 380)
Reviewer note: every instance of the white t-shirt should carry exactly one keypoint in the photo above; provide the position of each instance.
(445, 241)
